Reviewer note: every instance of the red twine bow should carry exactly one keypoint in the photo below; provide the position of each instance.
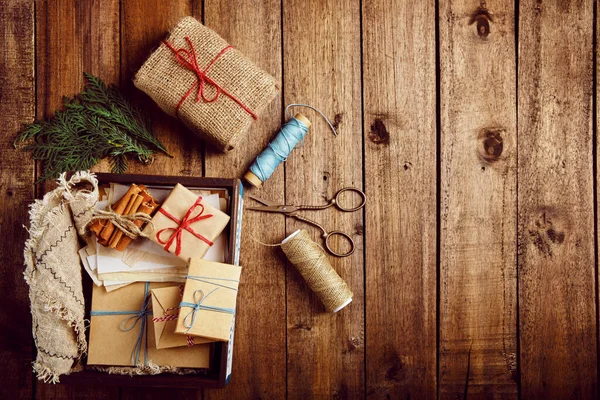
(189, 60)
(184, 224)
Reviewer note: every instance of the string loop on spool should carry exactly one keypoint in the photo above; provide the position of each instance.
(287, 111)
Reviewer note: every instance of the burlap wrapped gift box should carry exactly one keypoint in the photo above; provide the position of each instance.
(210, 86)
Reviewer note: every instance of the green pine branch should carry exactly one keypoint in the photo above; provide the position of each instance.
(97, 123)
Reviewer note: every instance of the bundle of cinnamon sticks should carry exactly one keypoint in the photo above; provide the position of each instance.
(137, 199)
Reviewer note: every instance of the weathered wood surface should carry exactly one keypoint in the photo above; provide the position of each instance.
(478, 283)
(557, 269)
(320, 49)
(144, 23)
(259, 365)
(17, 174)
(72, 37)
(400, 170)
(470, 126)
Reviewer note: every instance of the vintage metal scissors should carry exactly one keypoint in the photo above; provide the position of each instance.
(291, 211)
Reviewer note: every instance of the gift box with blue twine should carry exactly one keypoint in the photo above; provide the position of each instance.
(130, 323)
(199, 298)
(208, 307)
(121, 330)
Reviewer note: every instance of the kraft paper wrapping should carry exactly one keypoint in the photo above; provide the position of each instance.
(165, 301)
(219, 284)
(109, 345)
(153, 275)
(178, 203)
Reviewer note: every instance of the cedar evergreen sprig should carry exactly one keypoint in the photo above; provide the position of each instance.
(97, 123)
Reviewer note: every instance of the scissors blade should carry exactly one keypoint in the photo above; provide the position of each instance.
(273, 209)
(271, 206)
(263, 201)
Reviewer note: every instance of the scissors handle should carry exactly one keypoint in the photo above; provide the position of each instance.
(328, 235)
(339, 204)
(335, 201)
(346, 238)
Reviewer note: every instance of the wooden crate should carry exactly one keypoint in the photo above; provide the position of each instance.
(219, 373)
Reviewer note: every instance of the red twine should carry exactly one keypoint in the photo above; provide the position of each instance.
(183, 224)
(170, 317)
(189, 60)
(166, 317)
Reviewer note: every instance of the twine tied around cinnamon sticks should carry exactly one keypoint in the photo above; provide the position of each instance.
(124, 223)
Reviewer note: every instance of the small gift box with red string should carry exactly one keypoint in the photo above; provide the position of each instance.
(196, 76)
(185, 225)
(165, 307)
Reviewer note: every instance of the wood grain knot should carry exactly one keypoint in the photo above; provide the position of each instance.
(407, 165)
(337, 120)
(491, 144)
(481, 18)
(354, 343)
(545, 234)
(341, 393)
(359, 229)
(395, 372)
(302, 327)
(379, 133)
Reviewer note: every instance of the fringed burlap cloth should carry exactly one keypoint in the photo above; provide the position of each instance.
(53, 272)
(211, 87)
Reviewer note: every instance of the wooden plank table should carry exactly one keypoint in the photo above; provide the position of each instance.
(472, 127)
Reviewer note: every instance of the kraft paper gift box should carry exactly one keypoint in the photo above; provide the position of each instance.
(196, 76)
(185, 225)
(208, 306)
(165, 309)
(120, 337)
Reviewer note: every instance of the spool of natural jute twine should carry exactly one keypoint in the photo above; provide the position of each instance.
(312, 262)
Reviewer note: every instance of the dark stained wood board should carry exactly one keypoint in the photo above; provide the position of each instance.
(143, 25)
(259, 365)
(321, 41)
(556, 246)
(471, 126)
(399, 109)
(73, 37)
(17, 174)
(478, 281)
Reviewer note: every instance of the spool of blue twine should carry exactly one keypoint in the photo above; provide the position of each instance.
(278, 150)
